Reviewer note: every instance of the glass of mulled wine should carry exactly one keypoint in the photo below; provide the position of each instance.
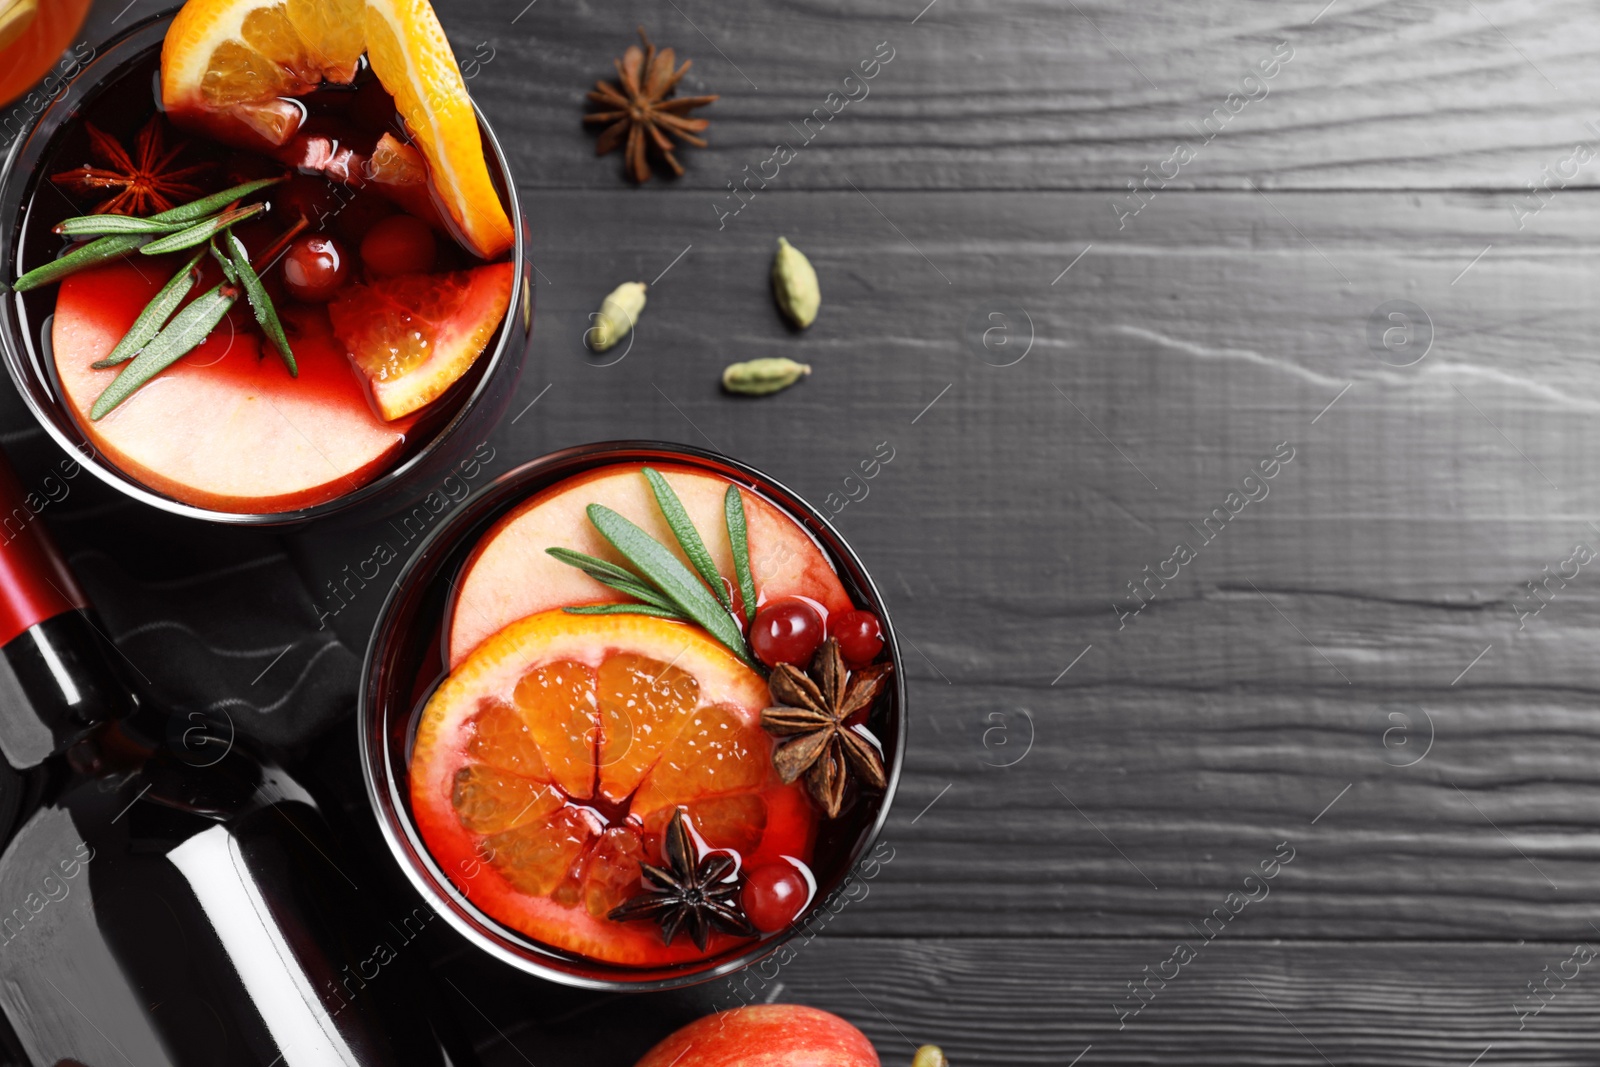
(224, 434)
(608, 795)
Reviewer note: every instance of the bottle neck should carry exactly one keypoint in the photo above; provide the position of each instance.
(55, 681)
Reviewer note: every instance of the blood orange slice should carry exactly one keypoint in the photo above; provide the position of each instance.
(546, 767)
(414, 335)
(509, 574)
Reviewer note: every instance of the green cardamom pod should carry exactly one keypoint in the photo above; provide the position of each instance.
(619, 311)
(794, 283)
(759, 377)
(930, 1056)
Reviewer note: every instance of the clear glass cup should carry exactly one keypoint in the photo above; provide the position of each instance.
(405, 661)
(468, 412)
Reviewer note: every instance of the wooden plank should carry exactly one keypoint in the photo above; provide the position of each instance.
(1396, 1004)
(1029, 95)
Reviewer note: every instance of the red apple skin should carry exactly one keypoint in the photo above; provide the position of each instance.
(765, 1035)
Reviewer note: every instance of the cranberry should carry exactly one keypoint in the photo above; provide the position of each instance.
(400, 244)
(773, 896)
(786, 631)
(314, 268)
(859, 635)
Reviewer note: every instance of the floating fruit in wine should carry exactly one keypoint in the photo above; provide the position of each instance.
(859, 634)
(315, 268)
(415, 335)
(547, 767)
(786, 631)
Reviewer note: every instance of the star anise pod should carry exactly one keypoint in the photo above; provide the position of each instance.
(144, 181)
(692, 893)
(812, 715)
(642, 112)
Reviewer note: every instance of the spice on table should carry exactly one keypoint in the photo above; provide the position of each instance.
(761, 377)
(619, 313)
(794, 284)
(643, 114)
(930, 1056)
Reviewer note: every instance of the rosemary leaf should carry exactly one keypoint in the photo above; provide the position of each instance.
(661, 568)
(609, 574)
(91, 254)
(154, 316)
(202, 231)
(598, 569)
(114, 245)
(688, 537)
(214, 203)
(261, 303)
(181, 336)
(225, 263)
(739, 538)
(96, 225)
(629, 609)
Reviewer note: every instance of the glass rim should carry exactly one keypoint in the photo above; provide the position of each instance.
(125, 48)
(390, 807)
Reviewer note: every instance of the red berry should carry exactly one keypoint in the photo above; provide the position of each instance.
(400, 244)
(786, 631)
(315, 268)
(859, 635)
(774, 895)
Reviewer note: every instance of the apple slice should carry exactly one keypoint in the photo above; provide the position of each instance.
(510, 576)
(223, 428)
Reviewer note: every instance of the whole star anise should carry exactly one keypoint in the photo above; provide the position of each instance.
(145, 181)
(812, 715)
(643, 114)
(692, 893)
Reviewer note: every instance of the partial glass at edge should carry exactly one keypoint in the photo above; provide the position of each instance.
(24, 327)
(405, 661)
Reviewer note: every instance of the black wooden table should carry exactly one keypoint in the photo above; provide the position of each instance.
(1318, 786)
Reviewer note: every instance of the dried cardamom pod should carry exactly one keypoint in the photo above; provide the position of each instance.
(794, 284)
(619, 311)
(930, 1056)
(759, 377)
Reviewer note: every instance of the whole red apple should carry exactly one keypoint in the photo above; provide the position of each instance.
(765, 1035)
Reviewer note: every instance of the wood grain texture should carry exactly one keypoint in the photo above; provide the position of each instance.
(1046, 1002)
(1025, 94)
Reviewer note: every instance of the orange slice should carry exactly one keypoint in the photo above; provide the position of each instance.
(415, 334)
(412, 58)
(229, 67)
(241, 58)
(547, 765)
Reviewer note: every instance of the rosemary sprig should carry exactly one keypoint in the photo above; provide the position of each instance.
(739, 538)
(120, 244)
(201, 232)
(663, 586)
(688, 537)
(177, 339)
(661, 569)
(154, 316)
(261, 303)
(225, 262)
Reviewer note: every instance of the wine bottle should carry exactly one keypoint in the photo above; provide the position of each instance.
(167, 897)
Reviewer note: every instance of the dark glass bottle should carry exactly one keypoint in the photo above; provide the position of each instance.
(167, 898)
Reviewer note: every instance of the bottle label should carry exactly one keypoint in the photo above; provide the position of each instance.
(35, 584)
